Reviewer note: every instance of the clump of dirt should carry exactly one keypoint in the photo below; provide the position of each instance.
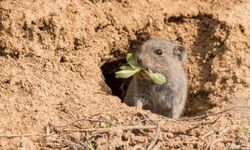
(56, 56)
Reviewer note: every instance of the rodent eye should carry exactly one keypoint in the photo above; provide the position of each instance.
(158, 51)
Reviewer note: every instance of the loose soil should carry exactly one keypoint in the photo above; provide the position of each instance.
(55, 57)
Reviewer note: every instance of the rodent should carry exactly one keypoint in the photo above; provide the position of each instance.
(165, 57)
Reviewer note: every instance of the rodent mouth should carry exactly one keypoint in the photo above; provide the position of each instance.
(145, 73)
(147, 70)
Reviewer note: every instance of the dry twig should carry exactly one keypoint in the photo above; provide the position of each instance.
(19, 135)
(211, 145)
(213, 114)
(138, 147)
(73, 144)
(66, 142)
(208, 134)
(154, 141)
(105, 130)
(146, 117)
(157, 146)
(81, 119)
(201, 123)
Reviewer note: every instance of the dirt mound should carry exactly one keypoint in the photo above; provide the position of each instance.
(56, 56)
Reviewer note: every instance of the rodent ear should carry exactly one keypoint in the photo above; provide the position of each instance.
(181, 53)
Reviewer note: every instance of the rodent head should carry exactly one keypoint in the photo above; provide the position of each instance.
(160, 55)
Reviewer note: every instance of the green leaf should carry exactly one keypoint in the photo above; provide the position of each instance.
(131, 60)
(243, 129)
(126, 73)
(210, 126)
(109, 124)
(89, 145)
(126, 68)
(157, 78)
(133, 68)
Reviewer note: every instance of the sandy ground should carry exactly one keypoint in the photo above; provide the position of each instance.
(53, 93)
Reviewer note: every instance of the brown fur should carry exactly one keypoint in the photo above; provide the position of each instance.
(167, 99)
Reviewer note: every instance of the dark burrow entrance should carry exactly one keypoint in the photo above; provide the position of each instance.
(117, 85)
